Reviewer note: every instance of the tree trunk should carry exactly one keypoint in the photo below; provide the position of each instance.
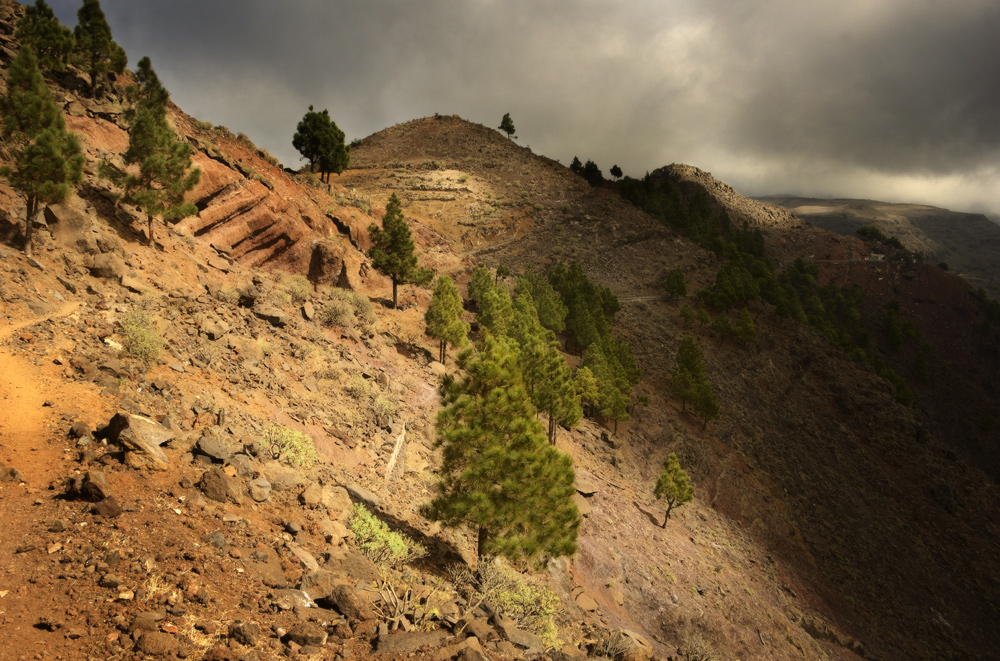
(665, 519)
(481, 544)
(443, 349)
(394, 285)
(29, 223)
(149, 238)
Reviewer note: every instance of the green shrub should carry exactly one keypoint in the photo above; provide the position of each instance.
(292, 447)
(529, 605)
(142, 340)
(383, 546)
(298, 287)
(358, 387)
(383, 406)
(338, 312)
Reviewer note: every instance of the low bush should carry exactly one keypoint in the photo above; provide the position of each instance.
(297, 287)
(290, 446)
(141, 340)
(381, 545)
(512, 595)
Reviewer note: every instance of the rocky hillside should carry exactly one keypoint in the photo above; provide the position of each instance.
(151, 518)
(966, 242)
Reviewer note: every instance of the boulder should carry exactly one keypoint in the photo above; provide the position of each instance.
(245, 633)
(141, 438)
(259, 489)
(326, 263)
(218, 486)
(243, 465)
(307, 633)
(107, 265)
(582, 506)
(337, 502)
(318, 584)
(311, 496)
(282, 478)
(408, 641)
(348, 603)
(349, 563)
(212, 445)
(361, 494)
(523, 639)
(271, 315)
(334, 531)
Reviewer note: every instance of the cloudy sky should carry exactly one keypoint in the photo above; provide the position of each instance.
(886, 99)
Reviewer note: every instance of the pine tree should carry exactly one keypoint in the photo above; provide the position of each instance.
(496, 311)
(691, 383)
(688, 314)
(507, 125)
(705, 403)
(674, 283)
(319, 139)
(165, 172)
(97, 52)
(51, 40)
(503, 271)
(393, 252)
(47, 158)
(585, 385)
(746, 329)
(547, 301)
(556, 391)
(616, 171)
(673, 486)
(576, 166)
(444, 317)
(499, 476)
(690, 371)
(480, 283)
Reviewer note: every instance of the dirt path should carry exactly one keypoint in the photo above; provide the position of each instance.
(26, 422)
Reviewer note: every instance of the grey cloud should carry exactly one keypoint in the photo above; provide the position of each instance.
(771, 96)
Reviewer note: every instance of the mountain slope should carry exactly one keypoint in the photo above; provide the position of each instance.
(966, 242)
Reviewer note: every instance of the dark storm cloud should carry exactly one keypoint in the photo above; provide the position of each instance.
(889, 98)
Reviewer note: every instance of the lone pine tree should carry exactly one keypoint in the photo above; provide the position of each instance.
(96, 50)
(320, 140)
(507, 125)
(393, 252)
(47, 158)
(161, 172)
(672, 486)
(444, 317)
(52, 41)
(499, 475)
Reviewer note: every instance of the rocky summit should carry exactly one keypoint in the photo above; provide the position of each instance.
(206, 440)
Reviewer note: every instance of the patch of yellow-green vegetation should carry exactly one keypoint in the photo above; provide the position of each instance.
(530, 605)
(349, 309)
(382, 546)
(290, 446)
(358, 387)
(353, 198)
(383, 406)
(297, 287)
(141, 339)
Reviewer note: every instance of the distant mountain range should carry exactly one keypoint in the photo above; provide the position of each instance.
(967, 242)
